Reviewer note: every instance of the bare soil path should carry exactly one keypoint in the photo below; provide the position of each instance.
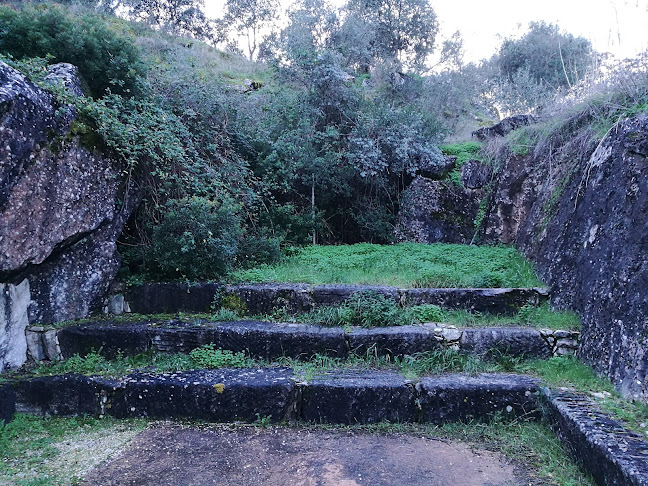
(276, 456)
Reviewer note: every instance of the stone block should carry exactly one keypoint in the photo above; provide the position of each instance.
(609, 452)
(109, 337)
(351, 397)
(157, 298)
(493, 301)
(63, 395)
(7, 403)
(14, 302)
(218, 396)
(264, 298)
(494, 341)
(336, 294)
(392, 341)
(462, 398)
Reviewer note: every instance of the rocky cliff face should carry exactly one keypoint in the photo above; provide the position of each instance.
(62, 208)
(586, 227)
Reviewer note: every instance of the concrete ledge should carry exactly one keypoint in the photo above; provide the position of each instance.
(392, 341)
(154, 298)
(7, 403)
(217, 396)
(612, 454)
(161, 298)
(514, 341)
(270, 341)
(358, 397)
(461, 398)
(63, 395)
(494, 301)
(337, 397)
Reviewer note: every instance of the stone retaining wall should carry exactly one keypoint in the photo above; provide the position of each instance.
(270, 341)
(277, 394)
(156, 298)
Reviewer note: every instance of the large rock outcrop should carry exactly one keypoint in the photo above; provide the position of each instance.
(62, 207)
(585, 225)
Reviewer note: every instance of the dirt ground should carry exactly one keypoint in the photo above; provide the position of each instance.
(246, 456)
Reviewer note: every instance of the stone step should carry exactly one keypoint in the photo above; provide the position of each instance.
(156, 298)
(609, 452)
(7, 403)
(270, 341)
(278, 394)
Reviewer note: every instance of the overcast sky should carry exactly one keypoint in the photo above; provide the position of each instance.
(483, 23)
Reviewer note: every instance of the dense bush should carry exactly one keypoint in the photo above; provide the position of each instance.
(197, 239)
(102, 47)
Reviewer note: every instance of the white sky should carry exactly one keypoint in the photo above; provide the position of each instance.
(483, 23)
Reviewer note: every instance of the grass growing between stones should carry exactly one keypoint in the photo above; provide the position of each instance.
(531, 446)
(47, 451)
(377, 311)
(402, 265)
(569, 372)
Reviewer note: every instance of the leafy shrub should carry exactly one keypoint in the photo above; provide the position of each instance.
(428, 313)
(100, 46)
(490, 280)
(197, 239)
(209, 357)
(365, 309)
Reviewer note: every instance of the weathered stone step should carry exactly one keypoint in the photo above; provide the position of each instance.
(154, 298)
(7, 403)
(270, 341)
(611, 454)
(342, 397)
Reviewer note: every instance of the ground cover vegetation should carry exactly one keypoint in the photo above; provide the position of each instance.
(400, 265)
(313, 137)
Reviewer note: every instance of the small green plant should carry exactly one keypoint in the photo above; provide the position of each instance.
(234, 303)
(225, 315)
(463, 152)
(428, 313)
(263, 421)
(209, 357)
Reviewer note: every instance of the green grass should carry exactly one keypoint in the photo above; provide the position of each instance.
(58, 451)
(402, 265)
(464, 152)
(370, 311)
(531, 445)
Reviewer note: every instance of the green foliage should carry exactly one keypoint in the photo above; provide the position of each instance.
(182, 17)
(464, 152)
(532, 442)
(428, 313)
(223, 315)
(209, 357)
(102, 47)
(29, 445)
(403, 31)
(401, 265)
(365, 309)
(234, 303)
(197, 239)
(550, 56)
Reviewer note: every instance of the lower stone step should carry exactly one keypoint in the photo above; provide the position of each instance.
(270, 341)
(611, 454)
(277, 394)
(7, 403)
